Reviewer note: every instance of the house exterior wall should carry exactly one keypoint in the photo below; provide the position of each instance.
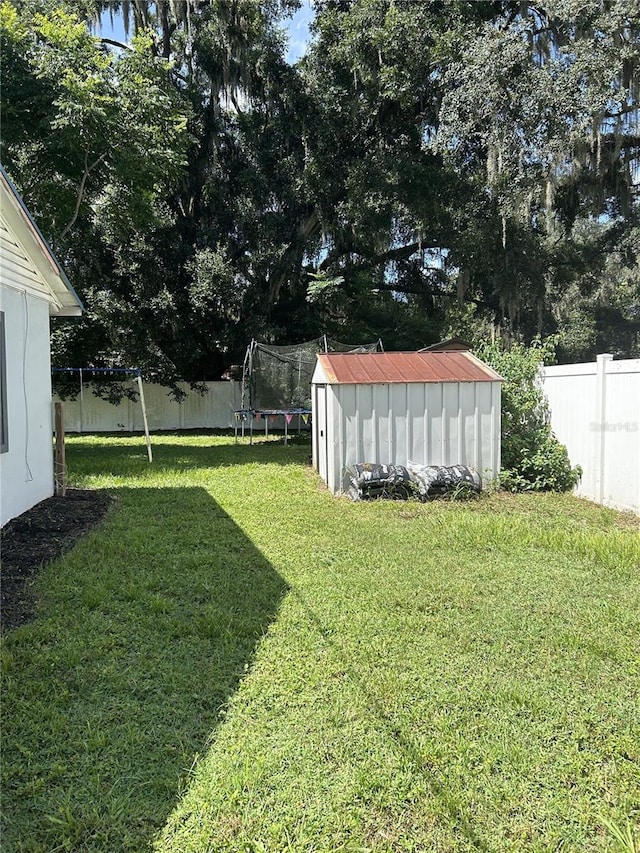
(595, 413)
(426, 423)
(27, 465)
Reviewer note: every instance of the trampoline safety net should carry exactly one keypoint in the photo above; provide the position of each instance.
(279, 377)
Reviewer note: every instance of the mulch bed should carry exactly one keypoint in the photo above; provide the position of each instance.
(38, 536)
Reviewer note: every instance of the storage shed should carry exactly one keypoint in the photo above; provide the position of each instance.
(429, 408)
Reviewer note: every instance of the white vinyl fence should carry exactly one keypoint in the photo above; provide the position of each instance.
(213, 409)
(595, 412)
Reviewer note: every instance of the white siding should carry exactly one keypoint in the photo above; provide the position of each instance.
(434, 447)
(18, 270)
(468, 434)
(427, 423)
(595, 412)
(27, 467)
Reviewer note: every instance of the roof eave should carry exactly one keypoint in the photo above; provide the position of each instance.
(65, 301)
(66, 311)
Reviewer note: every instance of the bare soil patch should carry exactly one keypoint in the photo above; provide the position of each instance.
(37, 537)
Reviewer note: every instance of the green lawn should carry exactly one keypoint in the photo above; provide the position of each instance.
(239, 661)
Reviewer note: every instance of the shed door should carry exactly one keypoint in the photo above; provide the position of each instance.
(321, 430)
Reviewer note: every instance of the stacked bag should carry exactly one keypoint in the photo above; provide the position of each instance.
(368, 480)
(435, 480)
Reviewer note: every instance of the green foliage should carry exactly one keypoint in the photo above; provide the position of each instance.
(532, 458)
(322, 286)
(95, 157)
(421, 157)
(599, 309)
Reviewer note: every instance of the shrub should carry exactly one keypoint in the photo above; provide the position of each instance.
(532, 457)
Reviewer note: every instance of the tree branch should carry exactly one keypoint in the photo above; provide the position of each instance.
(630, 108)
(402, 253)
(87, 171)
(116, 43)
(424, 291)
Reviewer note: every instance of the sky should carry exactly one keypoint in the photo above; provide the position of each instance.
(297, 29)
(299, 32)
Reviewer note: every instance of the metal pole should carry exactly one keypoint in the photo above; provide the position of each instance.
(144, 418)
(81, 400)
(60, 479)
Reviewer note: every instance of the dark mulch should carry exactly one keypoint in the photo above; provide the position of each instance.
(35, 538)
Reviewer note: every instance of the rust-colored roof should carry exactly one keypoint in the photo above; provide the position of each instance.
(373, 368)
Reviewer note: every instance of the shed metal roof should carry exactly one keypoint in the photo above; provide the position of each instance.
(393, 367)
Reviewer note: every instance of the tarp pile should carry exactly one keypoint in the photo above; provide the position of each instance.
(368, 480)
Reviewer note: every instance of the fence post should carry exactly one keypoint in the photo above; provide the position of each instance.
(60, 467)
(601, 423)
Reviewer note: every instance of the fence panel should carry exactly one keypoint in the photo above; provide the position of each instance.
(211, 410)
(595, 412)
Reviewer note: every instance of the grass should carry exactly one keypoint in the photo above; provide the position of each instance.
(238, 661)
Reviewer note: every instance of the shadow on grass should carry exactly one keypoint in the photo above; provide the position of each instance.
(402, 737)
(144, 631)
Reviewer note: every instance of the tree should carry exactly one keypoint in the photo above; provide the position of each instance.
(474, 141)
(435, 163)
(541, 110)
(94, 155)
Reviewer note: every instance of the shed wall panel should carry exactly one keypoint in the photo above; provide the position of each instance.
(337, 432)
(398, 401)
(382, 422)
(364, 419)
(320, 444)
(417, 401)
(435, 434)
(494, 438)
(452, 423)
(467, 410)
(345, 418)
(485, 420)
